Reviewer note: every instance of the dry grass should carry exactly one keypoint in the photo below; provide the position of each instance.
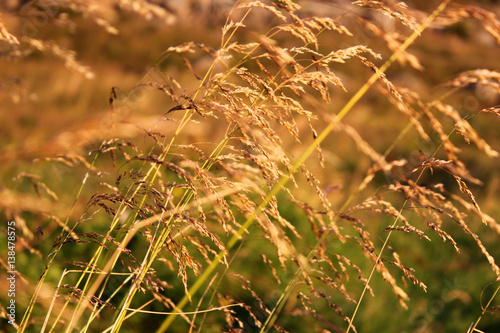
(201, 195)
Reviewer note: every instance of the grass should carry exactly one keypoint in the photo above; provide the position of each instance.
(306, 172)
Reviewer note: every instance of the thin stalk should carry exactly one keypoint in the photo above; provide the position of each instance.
(53, 301)
(27, 313)
(473, 327)
(150, 256)
(424, 25)
(350, 104)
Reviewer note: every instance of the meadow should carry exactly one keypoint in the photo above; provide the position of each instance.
(249, 166)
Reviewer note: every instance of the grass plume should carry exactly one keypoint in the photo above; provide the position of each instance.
(266, 177)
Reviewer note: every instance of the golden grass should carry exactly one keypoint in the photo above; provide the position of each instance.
(172, 197)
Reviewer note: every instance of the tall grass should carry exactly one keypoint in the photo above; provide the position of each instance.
(227, 210)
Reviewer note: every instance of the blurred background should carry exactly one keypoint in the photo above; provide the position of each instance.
(56, 81)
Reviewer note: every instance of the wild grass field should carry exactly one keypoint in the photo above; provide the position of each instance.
(249, 166)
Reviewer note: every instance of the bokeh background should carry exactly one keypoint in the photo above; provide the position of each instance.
(55, 109)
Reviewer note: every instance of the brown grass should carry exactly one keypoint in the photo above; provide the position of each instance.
(240, 161)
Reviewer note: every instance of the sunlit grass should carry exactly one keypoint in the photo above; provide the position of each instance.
(250, 182)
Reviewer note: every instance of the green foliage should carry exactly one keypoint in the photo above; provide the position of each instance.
(311, 168)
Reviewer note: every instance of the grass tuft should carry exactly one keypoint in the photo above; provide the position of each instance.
(265, 175)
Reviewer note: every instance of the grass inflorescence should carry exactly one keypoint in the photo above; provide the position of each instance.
(307, 171)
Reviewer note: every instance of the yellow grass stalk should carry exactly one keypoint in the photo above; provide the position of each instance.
(300, 161)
